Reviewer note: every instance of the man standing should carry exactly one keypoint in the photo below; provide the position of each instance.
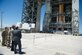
(5, 35)
(10, 37)
(16, 38)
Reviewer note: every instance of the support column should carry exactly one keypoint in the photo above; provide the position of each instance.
(38, 17)
(61, 16)
(61, 11)
(75, 17)
(47, 18)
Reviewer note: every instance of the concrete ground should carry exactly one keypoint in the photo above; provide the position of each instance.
(47, 44)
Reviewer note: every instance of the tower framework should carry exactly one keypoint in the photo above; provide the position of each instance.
(31, 12)
(62, 15)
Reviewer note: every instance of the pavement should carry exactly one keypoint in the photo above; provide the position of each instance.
(47, 44)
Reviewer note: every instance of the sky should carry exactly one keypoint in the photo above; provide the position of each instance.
(80, 15)
(12, 12)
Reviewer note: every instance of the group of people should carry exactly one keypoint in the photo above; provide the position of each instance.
(11, 37)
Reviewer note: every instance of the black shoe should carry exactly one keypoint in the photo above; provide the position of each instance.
(21, 52)
(3, 45)
(12, 50)
(15, 52)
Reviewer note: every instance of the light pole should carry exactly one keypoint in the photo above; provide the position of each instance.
(1, 21)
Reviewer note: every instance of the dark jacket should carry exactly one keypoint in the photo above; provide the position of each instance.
(16, 35)
(4, 33)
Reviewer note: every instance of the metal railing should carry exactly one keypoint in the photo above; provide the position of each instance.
(68, 25)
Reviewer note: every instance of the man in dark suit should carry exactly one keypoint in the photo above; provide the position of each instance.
(12, 44)
(16, 38)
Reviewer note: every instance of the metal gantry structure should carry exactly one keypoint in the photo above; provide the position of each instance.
(31, 12)
(60, 15)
